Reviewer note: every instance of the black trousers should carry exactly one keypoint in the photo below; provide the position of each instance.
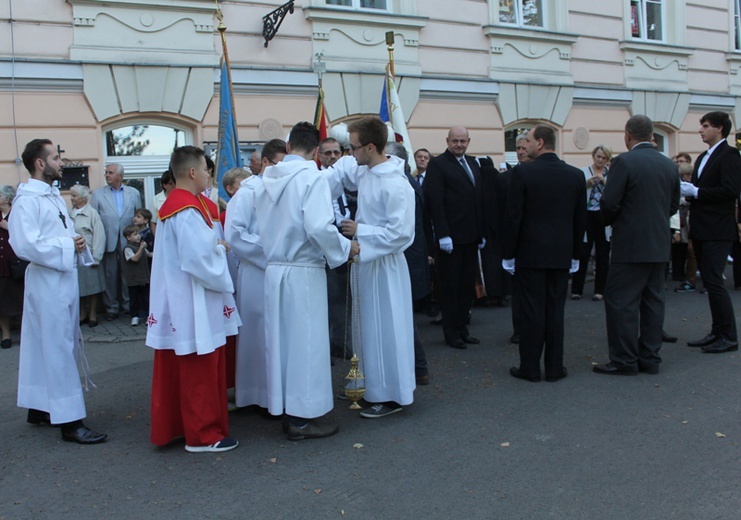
(634, 308)
(679, 261)
(595, 236)
(337, 311)
(711, 259)
(516, 302)
(543, 296)
(139, 300)
(457, 288)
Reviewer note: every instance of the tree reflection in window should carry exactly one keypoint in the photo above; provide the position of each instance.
(143, 139)
(521, 12)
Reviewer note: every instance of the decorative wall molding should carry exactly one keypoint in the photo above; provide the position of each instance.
(669, 108)
(655, 66)
(535, 102)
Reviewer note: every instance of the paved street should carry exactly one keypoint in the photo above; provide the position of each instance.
(476, 444)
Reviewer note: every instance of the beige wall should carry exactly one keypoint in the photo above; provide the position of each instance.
(453, 73)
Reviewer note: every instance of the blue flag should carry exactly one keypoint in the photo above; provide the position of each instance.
(228, 155)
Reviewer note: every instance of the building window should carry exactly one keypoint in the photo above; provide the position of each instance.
(737, 23)
(361, 4)
(510, 143)
(647, 19)
(660, 140)
(524, 13)
(143, 149)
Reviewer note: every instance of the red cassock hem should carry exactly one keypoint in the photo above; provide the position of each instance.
(231, 360)
(189, 398)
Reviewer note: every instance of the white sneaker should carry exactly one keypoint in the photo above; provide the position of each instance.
(134, 322)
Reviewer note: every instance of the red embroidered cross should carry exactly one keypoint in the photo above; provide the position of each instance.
(228, 311)
(151, 320)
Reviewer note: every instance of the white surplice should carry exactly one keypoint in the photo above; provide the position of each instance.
(385, 218)
(296, 226)
(48, 377)
(251, 386)
(191, 309)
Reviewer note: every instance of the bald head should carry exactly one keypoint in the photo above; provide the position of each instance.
(458, 140)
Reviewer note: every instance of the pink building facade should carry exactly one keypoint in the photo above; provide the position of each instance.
(88, 73)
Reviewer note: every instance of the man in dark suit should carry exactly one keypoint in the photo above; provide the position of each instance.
(713, 194)
(546, 205)
(503, 181)
(639, 197)
(454, 194)
(116, 203)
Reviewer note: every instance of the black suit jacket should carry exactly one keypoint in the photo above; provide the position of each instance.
(454, 203)
(713, 212)
(547, 209)
(641, 193)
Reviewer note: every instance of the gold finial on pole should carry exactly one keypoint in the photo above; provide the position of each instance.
(390, 46)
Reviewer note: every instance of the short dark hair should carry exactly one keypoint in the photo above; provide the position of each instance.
(718, 120)
(422, 150)
(183, 158)
(167, 177)
(36, 149)
(130, 230)
(144, 212)
(273, 148)
(640, 127)
(370, 130)
(304, 137)
(547, 134)
(209, 164)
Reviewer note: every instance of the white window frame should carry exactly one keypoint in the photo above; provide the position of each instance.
(355, 5)
(643, 20)
(519, 18)
(736, 25)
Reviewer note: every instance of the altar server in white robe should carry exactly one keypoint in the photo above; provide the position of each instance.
(251, 387)
(384, 229)
(295, 222)
(192, 311)
(42, 232)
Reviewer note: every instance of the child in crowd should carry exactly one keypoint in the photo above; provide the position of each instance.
(142, 218)
(191, 315)
(136, 272)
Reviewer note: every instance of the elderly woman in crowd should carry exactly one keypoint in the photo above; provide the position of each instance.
(11, 271)
(91, 279)
(596, 234)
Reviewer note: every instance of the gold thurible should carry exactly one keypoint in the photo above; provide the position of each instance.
(355, 386)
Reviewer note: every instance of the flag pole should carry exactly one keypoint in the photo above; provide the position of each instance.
(390, 47)
(222, 31)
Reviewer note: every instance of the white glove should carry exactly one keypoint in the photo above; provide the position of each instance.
(508, 264)
(574, 266)
(482, 245)
(446, 244)
(688, 189)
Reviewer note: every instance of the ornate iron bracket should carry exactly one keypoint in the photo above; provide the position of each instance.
(271, 21)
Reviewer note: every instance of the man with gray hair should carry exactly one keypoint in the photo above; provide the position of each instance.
(116, 205)
(641, 195)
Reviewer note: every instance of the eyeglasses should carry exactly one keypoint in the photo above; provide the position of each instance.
(271, 161)
(353, 147)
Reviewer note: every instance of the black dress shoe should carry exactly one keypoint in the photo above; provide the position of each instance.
(514, 339)
(111, 316)
(38, 417)
(557, 377)
(516, 372)
(5, 343)
(720, 346)
(83, 435)
(704, 342)
(611, 369)
(470, 340)
(666, 338)
(457, 343)
(645, 368)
